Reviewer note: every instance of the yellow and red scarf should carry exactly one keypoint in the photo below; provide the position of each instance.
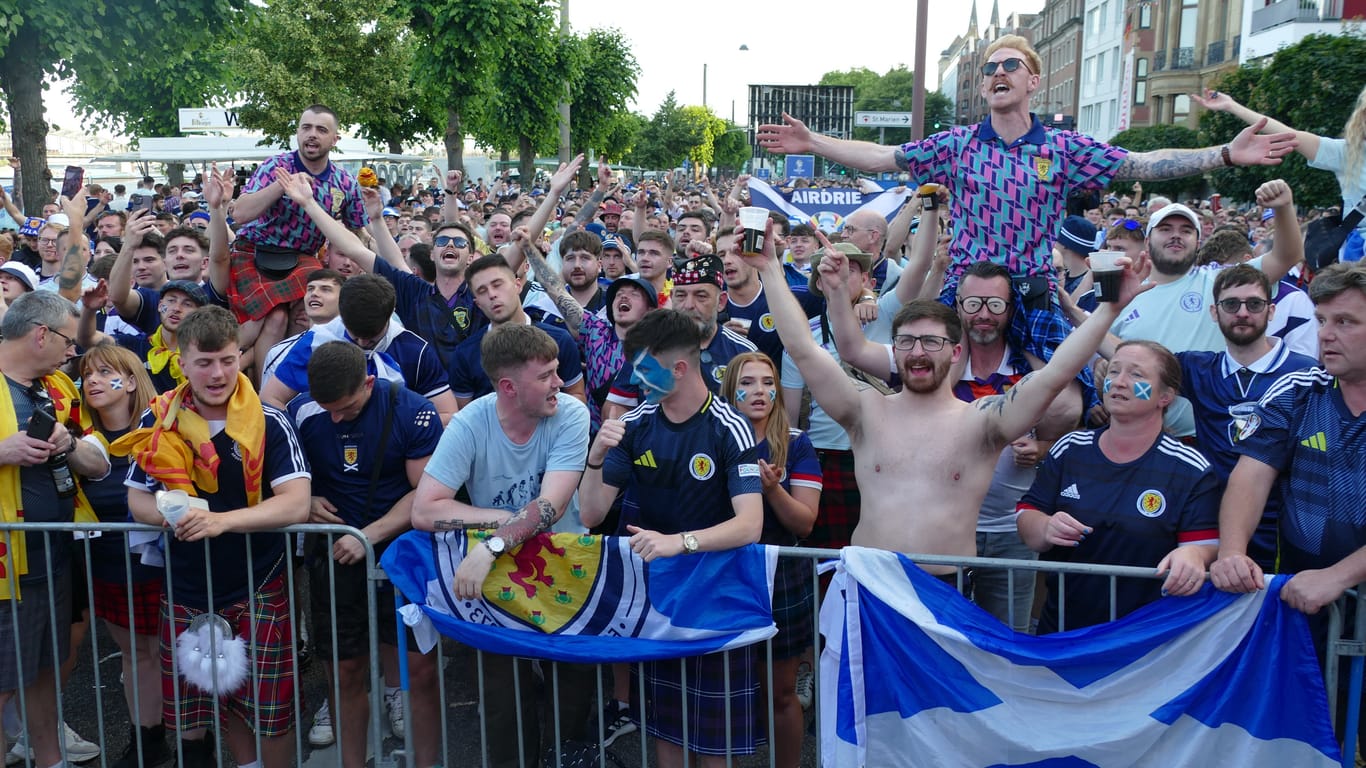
(160, 356)
(13, 551)
(178, 449)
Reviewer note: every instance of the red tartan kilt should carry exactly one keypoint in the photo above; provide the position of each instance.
(252, 296)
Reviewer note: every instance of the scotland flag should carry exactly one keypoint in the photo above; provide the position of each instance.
(912, 674)
(581, 598)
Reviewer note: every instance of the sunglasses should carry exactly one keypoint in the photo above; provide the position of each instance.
(1009, 65)
(444, 240)
(1231, 306)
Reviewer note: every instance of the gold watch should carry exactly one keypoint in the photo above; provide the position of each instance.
(689, 543)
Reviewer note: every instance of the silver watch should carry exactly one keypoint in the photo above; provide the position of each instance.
(496, 545)
(689, 543)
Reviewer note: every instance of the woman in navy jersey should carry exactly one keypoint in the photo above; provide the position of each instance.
(791, 476)
(116, 390)
(1126, 494)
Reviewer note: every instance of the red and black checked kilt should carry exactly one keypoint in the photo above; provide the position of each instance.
(838, 515)
(273, 699)
(111, 604)
(251, 295)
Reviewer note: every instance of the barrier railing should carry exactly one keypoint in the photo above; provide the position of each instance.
(538, 696)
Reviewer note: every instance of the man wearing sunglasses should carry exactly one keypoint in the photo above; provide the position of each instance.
(1009, 177)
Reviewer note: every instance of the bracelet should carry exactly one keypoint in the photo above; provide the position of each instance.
(1228, 156)
(74, 443)
(451, 192)
(591, 465)
(865, 299)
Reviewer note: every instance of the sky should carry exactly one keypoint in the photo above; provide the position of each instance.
(790, 42)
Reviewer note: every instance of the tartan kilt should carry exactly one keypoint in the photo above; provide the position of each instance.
(251, 295)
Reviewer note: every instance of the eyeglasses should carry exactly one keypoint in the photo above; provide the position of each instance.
(70, 342)
(1009, 65)
(1255, 306)
(455, 240)
(906, 342)
(47, 241)
(994, 304)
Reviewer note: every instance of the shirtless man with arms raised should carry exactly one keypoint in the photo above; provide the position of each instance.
(924, 458)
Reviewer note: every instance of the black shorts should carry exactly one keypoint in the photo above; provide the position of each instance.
(333, 586)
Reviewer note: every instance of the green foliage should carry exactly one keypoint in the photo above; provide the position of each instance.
(1311, 86)
(892, 92)
(1149, 138)
(703, 128)
(347, 54)
(666, 139)
(732, 148)
(606, 81)
(622, 134)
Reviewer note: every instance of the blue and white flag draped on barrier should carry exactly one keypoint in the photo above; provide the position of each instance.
(292, 368)
(590, 599)
(824, 207)
(912, 674)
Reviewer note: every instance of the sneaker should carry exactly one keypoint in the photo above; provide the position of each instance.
(393, 702)
(321, 734)
(78, 750)
(616, 721)
(806, 685)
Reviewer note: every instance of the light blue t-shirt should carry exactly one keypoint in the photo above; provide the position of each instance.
(1332, 156)
(500, 474)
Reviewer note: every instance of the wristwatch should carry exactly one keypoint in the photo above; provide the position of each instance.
(496, 545)
(689, 543)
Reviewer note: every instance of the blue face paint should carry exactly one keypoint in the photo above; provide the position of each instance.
(741, 395)
(1143, 390)
(773, 395)
(116, 384)
(654, 379)
(1105, 387)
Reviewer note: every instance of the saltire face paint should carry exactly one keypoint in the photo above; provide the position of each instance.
(1143, 390)
(1105, 387)
(116, 383)
(656, 380)
(741, 395)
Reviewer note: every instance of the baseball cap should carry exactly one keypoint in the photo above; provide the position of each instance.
(1079, 235)
(612, 241)
(59, 219)
(31, 226)
(191, 289)
(388, 212)
(850, 252)
(639, 282)
(1175, 209)
(611, 208)
(22, 271)
(1268, 214)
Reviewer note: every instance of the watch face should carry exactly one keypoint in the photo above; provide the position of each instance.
(690, 543)
(496, 544)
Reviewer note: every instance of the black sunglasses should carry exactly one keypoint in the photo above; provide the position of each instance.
(443, 240)
(1009, 65)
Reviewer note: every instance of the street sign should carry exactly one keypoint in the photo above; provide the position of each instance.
(207, 119)
(763, 173)
(800, 166)
(882, 119)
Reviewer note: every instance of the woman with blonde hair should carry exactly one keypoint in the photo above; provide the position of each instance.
(791, 476)
(1344, 156)
(116, 390)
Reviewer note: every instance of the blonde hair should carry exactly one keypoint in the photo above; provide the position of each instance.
(1020, 44)
(776, 432)
(126, 363)
(1355, 135)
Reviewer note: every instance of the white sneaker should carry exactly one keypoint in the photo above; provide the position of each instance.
(394, 703)
(321, 734)
(806, 685)
(78, 750)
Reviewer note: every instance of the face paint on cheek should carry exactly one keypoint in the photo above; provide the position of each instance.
(1105, 387)
(656, 380)
(116, 383)
(772, 395)
(1143, 390)
(741, 395)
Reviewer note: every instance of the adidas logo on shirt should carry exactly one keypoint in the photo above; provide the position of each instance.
(646, 459)
(1318, 442)
(1071, 492)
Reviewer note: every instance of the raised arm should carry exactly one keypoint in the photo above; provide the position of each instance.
(559, 182)
(590, 206)
(1017, 411)
(252, 205)
(551, 282)
(450, 204)
(299, 188)
(385, 245)
(1288, 249)
(218, 189)
(1307, 143)
(126, 300)
(899, 228)
(854, 348)
(794, 138)
(86, 334)
(916, 272)
(1247, 148)
(77, 254)
(9, 205)
(829, 385)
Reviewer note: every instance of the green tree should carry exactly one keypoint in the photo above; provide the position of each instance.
(1148, 138)
(891, 92)
(665, 139)
(703, 129)
(69, 38)
(1310, 86)
(732, 148)
(342, 53)
(622, 135)
(598, 96)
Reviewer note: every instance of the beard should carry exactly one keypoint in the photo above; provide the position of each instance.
(921, 384)
(1170, 266)
(984, 336)
(1242, 335)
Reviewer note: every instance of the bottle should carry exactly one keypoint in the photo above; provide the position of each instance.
(61, 476)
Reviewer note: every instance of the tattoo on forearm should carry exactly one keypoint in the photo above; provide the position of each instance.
(461, 525)
(537, 516)
(1169, 163)
(70, 276)
(554, 287)
(591, 207)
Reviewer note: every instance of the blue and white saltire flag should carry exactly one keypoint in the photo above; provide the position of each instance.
(292, 369)
(912, 674)
(590, 599)
(824, 207)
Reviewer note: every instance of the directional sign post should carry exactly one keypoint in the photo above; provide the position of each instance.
(882, 119)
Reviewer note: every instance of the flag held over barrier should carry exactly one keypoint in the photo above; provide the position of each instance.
(911, 668)
(588, 599)
(824, 207)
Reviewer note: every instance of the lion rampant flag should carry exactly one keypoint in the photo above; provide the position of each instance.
(587, 599)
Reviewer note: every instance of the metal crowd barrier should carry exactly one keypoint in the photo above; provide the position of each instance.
(108, 714)
(464, 724)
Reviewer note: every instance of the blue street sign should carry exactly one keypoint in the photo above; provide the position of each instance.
(801, 166)
(763, 173)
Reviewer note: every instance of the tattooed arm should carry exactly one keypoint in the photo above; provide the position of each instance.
(552, 283)
(534, 518)
(1247, 148)
(77, 250)
(590, 208)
